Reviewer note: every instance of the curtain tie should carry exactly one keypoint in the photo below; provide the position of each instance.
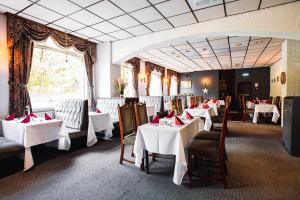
(20, 85)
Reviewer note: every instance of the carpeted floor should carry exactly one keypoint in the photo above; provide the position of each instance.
(259, 168)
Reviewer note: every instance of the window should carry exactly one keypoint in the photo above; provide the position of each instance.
(155, 84)
(174, 86)
(127, 75)
(56, 73)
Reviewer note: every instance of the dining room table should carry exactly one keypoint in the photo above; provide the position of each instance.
(101, 122)
(37, 131)
(206, 113)
(266, 108)
(166, 138)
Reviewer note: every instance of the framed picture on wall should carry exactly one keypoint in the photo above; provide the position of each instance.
(186, 84)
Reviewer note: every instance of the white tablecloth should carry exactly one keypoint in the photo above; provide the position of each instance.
(266, 108)
(215, 107)
(34, 133)
(101, 122)
(250, 105)
(150, 110)
(168, 140)
(201, 112)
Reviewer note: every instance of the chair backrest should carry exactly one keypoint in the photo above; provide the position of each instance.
(141, 116)
(73, 112)
(278, 102)
(200, 100)
(193, 101)
(174, 104)
(156, 101)
(126, 120)
(179, 106)
(223, 133)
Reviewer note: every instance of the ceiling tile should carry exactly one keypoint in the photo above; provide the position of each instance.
(86, 17)
(69, 24)
(159, 25)
(210, 13)
(89, 32)
(42, 13)
(124, 21)
(15, 4)
(181, 20)
(63, 7)
(105, 27)
(84, 3)
(138, 30)
(105, 38)
(58, 28)
(156, 1)
(269, 3)
(219, 44)
(105, 9)
(146, 15)
(32, 18)
(173, 7)
(196, 5)
(238, 53)
(80, 35)
(131, 5)
(4, 9)
(120, 34)
(182, 46)
(241, 6)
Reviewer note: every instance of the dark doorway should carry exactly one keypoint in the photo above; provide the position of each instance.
(245, 89)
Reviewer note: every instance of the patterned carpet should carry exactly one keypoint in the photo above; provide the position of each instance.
(258, 167)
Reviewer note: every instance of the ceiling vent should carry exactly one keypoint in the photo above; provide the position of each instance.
(198, 4)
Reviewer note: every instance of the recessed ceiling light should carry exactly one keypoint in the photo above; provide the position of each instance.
(173, 53)
(204, 49)
(178, 56)
(187, 51)
(238, 44)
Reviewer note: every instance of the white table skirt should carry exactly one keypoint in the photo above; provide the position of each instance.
(38, 131)
(201, 112)
(150, 110)
(168, 140)
(101, 122)
(266, 108)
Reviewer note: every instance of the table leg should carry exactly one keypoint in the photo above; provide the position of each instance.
(147, 161)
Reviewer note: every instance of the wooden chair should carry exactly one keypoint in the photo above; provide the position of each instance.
(141, 116)
(193, 101)
(127, 128)
(174, 104)
(179, 106)
(209, 153)
(245, 111)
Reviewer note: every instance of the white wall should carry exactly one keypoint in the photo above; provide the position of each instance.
(276, 87)
(4, 89)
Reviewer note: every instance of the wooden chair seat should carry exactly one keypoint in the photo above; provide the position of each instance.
(211, 135)
(217, 119)
(129, 139)
(204, 148)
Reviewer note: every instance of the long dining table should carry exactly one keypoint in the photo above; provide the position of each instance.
(168, 139)
(205, 113)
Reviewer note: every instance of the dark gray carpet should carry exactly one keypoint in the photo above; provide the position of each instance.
(259, 168)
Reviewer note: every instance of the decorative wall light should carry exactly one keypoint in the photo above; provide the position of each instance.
(142, 78)
(277, 77)
(205, 90)
(283, 77)
(256, 85)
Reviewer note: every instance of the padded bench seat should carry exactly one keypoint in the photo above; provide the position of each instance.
(9, 148)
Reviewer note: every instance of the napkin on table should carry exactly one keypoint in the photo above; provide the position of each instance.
(170, 115)
(155, 120)
(97, 110)
(188, 115)
(205, 106)
(178, 121)
(26, 120)
(10, 117)
(32, 115)
(47, 117)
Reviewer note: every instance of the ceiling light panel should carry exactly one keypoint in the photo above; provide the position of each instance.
(105, 9)
(200, 4)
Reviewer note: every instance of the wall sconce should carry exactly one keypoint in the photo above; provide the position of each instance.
(205, 90)
(277, 76)
(165, 81)
(256, 85)
(142, 78)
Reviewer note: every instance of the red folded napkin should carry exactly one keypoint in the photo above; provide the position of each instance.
(269, 101)
(178, 121)
(206, 101)
(10, 117)
(188, 115)
(97, 110)
(214, 100)
(32, 115)
(26, 120)
(155, 120)
(47, 117)
(170, 115)
(205, 106)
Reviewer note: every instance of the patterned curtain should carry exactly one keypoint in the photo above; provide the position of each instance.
(171, 73)
(178, 83)
(135, 62)
(20, 36)
(149, 67)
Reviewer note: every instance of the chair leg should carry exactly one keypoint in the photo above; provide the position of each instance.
(122, 154)
(222, 171)
(190, 167)
(132, 154)
(147, 161)
(142, 167)
(154, 156)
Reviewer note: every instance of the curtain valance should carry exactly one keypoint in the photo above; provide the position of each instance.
(21, 33)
